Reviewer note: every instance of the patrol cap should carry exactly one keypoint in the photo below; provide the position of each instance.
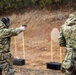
(6, 21)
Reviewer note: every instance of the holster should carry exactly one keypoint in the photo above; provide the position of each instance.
(74, 49)
(0, 71)
(6, 57)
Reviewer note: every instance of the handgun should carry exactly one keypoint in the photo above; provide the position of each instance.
(24, 25)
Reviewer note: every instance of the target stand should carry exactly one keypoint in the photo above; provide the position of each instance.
(19, 61)
(54, 65)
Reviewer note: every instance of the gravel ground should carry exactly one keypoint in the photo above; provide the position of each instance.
(27, 71)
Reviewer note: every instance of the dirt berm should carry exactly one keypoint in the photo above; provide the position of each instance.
(37, 40)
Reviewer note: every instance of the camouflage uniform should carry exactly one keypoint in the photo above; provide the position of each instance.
(67, 38)
(6, 58)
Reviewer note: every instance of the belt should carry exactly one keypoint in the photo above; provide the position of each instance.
(5, 52)
(74, 49)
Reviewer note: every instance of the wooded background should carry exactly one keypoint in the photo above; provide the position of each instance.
(16, 4)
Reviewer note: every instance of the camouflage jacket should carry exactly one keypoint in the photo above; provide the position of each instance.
(5, 35)
(67, 36)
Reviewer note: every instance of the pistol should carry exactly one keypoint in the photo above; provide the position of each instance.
(24, 25)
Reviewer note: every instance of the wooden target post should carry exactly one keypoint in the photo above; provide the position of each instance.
(60, 54)
(17, 60)
(51, 51)
(52, 64)
(15, 46)
(23, 45)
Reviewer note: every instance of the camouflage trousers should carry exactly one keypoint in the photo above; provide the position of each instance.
(69, 62)
(6, 62)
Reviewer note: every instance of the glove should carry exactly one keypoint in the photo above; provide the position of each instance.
(22, 28)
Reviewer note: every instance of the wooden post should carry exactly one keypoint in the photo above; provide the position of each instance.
(60, 55)
(23, 45)
(51, 51)
(15, 46)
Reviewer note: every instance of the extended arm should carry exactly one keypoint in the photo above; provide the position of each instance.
(10, 32)
(61, 39)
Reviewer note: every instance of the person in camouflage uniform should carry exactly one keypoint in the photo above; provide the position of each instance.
(6, 58)
(67, 38)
